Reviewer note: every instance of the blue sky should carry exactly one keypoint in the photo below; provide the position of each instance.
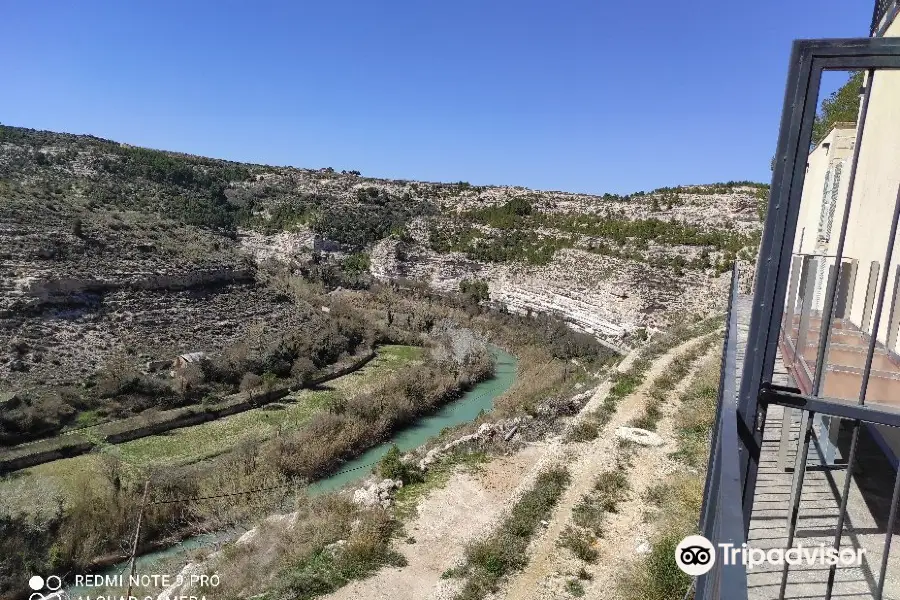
(580, 95)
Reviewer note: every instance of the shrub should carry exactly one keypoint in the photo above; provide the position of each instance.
(189, 377)
(580, 542)
(303, 370)
(488, 561)
(314, 567)
(476, 290)
(658, 577)
(611, 487)
(392, 467)
(250, 381)
(575, 588)
(584, 431)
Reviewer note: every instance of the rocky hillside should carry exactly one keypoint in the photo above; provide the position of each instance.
(105, 246)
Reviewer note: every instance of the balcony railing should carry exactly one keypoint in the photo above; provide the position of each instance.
(721, 516)
(881, 9)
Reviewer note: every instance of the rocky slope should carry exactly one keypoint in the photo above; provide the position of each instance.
(107, 247)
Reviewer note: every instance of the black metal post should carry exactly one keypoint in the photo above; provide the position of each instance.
(799, 475)
(888, 538)
(775, 251)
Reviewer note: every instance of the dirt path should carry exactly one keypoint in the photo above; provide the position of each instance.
(465, 509)
(550, 566)
(629, 528)
(447, 519)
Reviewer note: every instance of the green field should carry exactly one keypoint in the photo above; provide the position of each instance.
(200, 442)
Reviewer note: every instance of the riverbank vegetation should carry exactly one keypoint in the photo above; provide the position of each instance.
(72, 535)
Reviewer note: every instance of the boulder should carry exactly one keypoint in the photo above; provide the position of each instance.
(366, 497)
(639, 436)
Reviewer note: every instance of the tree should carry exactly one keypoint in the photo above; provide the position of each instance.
(841, 106)
(303, 370)
(189, 377)
(269, 379)
(250, 381)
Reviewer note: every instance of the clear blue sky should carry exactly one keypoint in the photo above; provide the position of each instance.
(582, 95)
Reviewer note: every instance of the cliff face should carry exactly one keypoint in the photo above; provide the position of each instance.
(605, 296)
(36, 292)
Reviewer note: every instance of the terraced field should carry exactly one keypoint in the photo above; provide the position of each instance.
(59, 479)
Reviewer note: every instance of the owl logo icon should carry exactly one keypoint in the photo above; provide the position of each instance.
(695, 555)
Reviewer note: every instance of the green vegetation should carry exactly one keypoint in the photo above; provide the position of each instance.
(356, 263)
(475, 289)
(391, 467)
(714, 188)
(489, 561)
(376, 216)
(589, 515)
(193, 444)
(506, 216)
(580, 542)
(664, 384)
(510, 245)
(621, 231)
(517, 232)
(575, 588)
(842, 106)
(366, 550)
(332, 543)
(609, 489)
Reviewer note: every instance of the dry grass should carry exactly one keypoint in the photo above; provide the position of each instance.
(504, 551)
(333, 542)
(678, 497)
(661, 389)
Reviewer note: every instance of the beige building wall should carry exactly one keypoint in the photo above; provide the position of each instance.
(877, 180)
(825, 184)
(878, 177)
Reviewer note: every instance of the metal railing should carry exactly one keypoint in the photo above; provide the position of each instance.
(881, 9)
(721, 516)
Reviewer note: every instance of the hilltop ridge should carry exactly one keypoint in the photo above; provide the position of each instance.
(83, 216)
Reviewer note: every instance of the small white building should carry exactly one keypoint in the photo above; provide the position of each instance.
(191, 358)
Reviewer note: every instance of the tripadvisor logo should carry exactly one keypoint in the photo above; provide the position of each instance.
(696, 555)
